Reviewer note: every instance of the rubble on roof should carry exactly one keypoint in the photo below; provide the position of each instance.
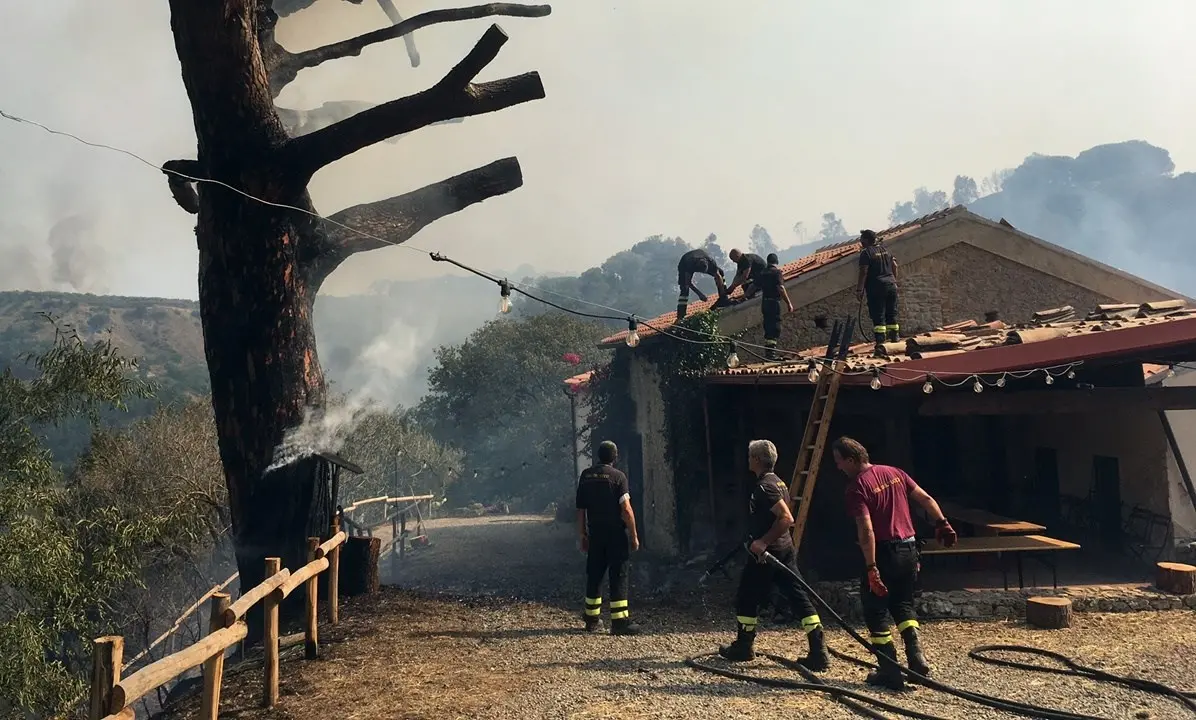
(969, 335)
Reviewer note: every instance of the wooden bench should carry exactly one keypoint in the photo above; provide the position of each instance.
(1003, 545)
(987, 523)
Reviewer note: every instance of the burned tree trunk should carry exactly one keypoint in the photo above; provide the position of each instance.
(261, 264)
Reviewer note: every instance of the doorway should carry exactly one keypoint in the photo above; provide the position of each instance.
(1106, 501)
(1044, 491)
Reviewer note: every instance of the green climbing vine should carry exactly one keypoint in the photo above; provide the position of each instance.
(681, 366)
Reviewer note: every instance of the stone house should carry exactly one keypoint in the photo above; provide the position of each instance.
(1100, 455)
(954, 266)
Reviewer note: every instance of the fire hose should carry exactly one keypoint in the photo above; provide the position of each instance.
(857, 700)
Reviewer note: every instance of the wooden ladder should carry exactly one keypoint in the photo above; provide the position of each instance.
(818, 426)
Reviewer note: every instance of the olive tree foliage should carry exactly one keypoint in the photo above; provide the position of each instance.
(162, 474)
(59, 571)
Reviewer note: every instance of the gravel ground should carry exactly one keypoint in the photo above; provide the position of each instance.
(514, 649)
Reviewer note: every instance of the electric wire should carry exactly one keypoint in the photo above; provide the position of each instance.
(1013, 706)
(631, 318)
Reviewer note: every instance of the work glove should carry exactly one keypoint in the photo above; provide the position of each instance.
(944, 533)
(875, 584)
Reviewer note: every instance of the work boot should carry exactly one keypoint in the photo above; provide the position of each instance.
(892, 337)
(593, 624)
(879, 349)
(624, 626)
(913, 652)
(741, 649)
(681, 312)
(818, 659)
(888, 674)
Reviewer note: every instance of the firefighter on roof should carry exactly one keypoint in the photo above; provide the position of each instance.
(878, 499)
(772, 290)
(606, 526)
(697, 262)
(878, 285)
(769, 523)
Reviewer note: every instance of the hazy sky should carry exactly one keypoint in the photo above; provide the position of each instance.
(681, 117)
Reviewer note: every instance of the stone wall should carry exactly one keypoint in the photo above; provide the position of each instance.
(658, 527)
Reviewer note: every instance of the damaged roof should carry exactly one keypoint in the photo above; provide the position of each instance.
(819, 258)
(1055, 337)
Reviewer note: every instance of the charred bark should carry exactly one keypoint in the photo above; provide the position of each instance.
(262, 258)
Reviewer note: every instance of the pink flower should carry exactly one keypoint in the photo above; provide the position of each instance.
(571, 358)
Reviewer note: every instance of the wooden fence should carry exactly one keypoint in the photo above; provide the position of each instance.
(113, 696)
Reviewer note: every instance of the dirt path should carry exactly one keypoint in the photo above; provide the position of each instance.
(515, 650)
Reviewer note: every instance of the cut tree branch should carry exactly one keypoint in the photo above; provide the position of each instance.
(285, 66)
(455, 96)
(181, 188)
(397, 219)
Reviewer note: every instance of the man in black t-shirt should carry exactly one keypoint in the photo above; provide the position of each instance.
(749, 266)
(769, 521)
(878, 283)
(697, 262)
(606, 526)
(771, 283)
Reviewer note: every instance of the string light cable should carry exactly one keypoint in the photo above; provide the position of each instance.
(506, 287)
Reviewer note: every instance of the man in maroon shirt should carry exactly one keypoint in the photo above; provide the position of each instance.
(878, 499)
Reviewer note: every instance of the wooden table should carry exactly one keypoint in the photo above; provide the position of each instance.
(1002, 545)
(989, 523)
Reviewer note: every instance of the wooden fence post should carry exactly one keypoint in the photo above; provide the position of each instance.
(403, 534)
(213, 669)
(106, 656)
(270, 637)
(359, 566)
(334, 570)
(311, 641)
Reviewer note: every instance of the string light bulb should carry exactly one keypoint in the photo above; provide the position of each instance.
(1001, 381)
(1050, 379)
(927, 387)
(1170, 371)
(875, 384)
(732, 357)
(812, 375)
(1071, 374)
(633, 332)
(504, 299)
(977, 387)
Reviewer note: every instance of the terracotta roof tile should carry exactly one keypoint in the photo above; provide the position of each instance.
(819, 258)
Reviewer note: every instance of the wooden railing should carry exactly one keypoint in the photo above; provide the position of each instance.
(112, 696)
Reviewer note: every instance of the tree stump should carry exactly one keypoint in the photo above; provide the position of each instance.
(1175, 578)
(1049, 613)
(359, 565)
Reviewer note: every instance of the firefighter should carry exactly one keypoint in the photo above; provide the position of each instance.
(691, 263)
(749, 265)
(606, 526)
(769, 523)
(772, 290)
(878, 285)
(878, 499)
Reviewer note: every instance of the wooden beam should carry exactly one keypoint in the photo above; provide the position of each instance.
(1060, 401)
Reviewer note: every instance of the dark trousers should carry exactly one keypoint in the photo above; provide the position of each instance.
(756, 584)
(882, 309)
(898, 565)
(608, 555)
(771, 308)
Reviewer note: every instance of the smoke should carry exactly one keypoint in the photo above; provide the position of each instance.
(377, 377)
(77, 261)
